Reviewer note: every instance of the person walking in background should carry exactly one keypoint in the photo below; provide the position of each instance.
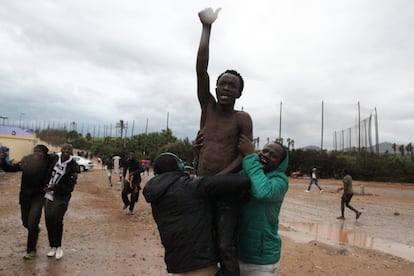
(109, 163)
(221, 126)
(132, 183)
(100, 162)
(314, 180)
(147, 166)
(35, 169)
(122, 165)
(347, 195)
(259, 241)
(63, 177)
(116, 159)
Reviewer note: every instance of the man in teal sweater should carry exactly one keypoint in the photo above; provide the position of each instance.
(259, 241)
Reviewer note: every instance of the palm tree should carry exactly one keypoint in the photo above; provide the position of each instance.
(394, 148)
(401, 150)
(409, 149)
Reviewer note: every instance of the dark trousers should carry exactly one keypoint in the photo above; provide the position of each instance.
(31, 211)
(345, 200)
(226, 220)
(314, 180)
(134, 196)
(54, 212)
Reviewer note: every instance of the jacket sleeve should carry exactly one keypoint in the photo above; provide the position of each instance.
(226, 185)
(9, 168)
(271, 186)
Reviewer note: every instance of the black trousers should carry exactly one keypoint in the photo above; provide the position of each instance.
(31, 212)
(226, 224)
(54, 212)
(134, 196)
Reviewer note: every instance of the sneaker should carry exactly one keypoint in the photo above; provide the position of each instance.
(30, 255)
(341, 217)
(130, 212)
(321, 191)
(125, 206)
(51, 252)
(358, 215)
(307, 191)
(59, 253)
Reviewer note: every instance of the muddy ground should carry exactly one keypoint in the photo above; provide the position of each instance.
(101, 239)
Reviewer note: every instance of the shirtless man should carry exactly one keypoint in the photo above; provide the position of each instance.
(221, 126)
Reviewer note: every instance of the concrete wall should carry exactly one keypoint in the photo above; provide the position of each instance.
(19, 146)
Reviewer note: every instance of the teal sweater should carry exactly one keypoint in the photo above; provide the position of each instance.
(259, 241)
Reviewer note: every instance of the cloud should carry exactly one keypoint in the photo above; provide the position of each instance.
(96, 62)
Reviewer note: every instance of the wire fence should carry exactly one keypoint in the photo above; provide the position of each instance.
(360, 135)
(117, 129)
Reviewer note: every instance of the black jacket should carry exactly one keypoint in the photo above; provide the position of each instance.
(135, 169)
(34, 177)
(64, 188)
(183, 211)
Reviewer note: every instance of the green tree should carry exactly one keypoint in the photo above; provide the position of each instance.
(401, 149)
(409, 149)
(394, 148)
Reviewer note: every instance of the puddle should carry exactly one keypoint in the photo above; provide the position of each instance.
(344, 233)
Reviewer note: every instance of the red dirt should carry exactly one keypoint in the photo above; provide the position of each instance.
(100, 239)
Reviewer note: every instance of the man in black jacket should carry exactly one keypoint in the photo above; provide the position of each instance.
(182, 207)
(63, 176)
(132, 183)
(35, 169)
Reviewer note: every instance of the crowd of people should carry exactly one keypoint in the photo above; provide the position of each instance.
(217, 217)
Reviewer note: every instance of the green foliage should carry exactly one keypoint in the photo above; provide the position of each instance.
(54, 137)
(58, 137)
(146, 146)
(182, 148)
(362, 165)
(400, 168)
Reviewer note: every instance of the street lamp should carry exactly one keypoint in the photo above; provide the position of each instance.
(20, 121)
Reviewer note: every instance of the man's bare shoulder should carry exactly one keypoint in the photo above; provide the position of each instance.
(245, 123)
(242, 114)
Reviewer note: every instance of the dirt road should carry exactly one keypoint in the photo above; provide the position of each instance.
(100, 239)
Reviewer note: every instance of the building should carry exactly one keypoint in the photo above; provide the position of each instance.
(19, 141)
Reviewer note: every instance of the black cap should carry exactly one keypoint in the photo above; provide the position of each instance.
(41, 148)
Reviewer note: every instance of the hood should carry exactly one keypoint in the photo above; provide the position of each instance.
(158, 185)
(284, 164)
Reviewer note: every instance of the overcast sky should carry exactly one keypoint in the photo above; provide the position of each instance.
(100, 61)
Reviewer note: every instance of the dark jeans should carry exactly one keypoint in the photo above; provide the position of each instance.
(54, 212)
(314, 180)
(226, 220)
(134, 196)
(31, 210)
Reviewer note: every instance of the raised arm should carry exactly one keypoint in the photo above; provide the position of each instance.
(207, 17)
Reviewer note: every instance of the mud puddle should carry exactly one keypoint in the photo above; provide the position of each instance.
(345, 233)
